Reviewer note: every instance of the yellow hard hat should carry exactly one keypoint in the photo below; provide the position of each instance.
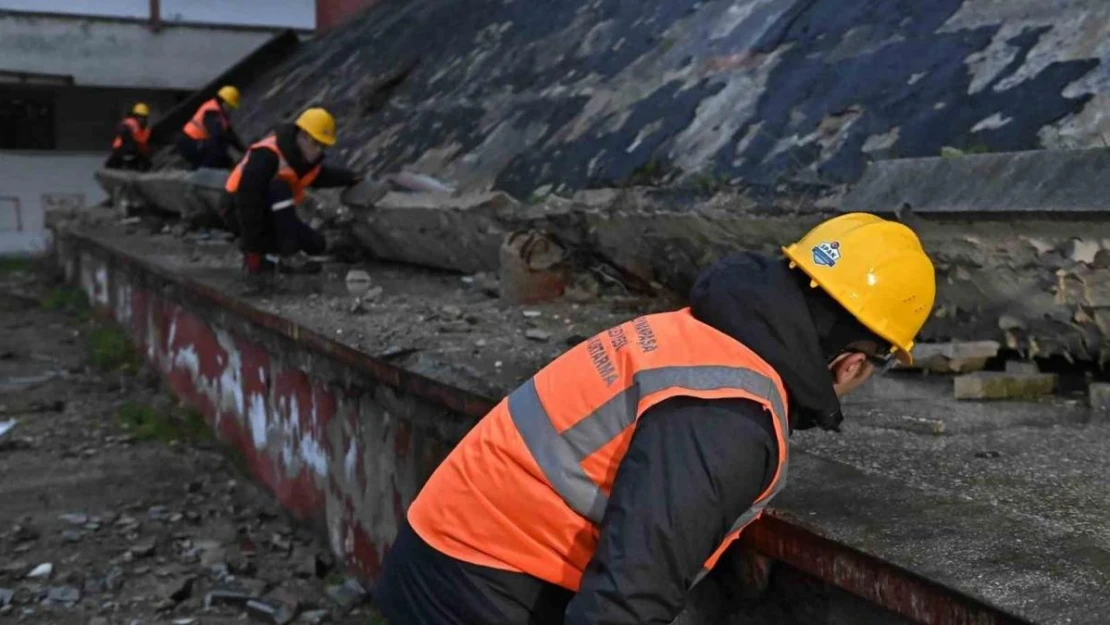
(140, 109)
(229, 94)
(319, 124)
(876, 269)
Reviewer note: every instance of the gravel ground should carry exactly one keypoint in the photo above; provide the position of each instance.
(116, 507)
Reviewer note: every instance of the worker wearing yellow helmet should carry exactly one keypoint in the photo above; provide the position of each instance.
(619, 476)
(131, 145)
(206, 137)
(265, 188)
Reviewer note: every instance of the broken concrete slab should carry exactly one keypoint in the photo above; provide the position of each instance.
(1059, 181)
(193, 196)
(1003, 385)
(954, 357)
(1098, 398)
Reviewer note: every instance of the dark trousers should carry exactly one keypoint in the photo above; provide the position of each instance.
(421, 586)
(278, 230)
(130, 161)
(205, 153)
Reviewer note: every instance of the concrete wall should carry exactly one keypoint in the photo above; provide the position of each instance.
(121, 54)
(32, 183)
(299, 14)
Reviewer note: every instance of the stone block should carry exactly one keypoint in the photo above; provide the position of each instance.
(955, 357)
(533, 268)
(1098, 396)
(1001, 385)
(1022, 366)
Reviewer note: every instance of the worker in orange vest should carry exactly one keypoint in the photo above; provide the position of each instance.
(131, 146)
(270, 181)
(206, 137)
(614, 480)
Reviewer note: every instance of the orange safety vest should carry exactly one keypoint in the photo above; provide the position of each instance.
(527, 487)
(141, 135)
(195, 129)
(298, 184)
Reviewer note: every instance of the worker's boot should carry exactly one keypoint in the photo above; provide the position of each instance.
(259, 275)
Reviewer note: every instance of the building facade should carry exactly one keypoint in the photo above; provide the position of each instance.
(71, 69)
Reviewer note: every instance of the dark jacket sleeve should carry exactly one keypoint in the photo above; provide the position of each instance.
(214, 123)
(127, 139)
(250, 199)
(331, 176)
(692, 468)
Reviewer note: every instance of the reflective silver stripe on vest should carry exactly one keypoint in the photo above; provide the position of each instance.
(559, 456)
(554, 455)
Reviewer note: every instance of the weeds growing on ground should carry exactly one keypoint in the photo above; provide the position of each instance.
(12, 265)
(67, 300)
(110, 349)
(146, 422)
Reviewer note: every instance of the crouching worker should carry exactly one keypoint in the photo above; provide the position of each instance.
(205, 139)
(608, 485)
(131, 147)
(265, 188)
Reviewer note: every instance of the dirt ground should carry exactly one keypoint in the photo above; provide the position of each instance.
(116, 507)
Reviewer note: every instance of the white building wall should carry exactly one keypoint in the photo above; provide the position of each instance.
(31, 183)
(99, 53)
(298, 14)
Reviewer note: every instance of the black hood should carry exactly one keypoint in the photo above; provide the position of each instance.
(287, 143)
(760, 302)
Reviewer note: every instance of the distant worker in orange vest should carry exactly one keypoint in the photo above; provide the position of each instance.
(206, 137)
(265, 188)
(131, 147)
(605, 487)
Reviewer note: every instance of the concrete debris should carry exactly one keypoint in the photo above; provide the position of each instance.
(420, 183)
(532, 268)
(1022, 367)
(7, 426)
(953, 357)
(1098, 397)
(62, 595)
(42, 571)
(227, 597)
(143, 549)
(1001, 385)
(6, 595)
(179, 589)
(314, 617)
(536, 334)
(75, 519)
(348, 594)
(358, 282)
(365, 194)
(268, 612)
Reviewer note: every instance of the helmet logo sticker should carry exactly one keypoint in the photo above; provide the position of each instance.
(826, 253)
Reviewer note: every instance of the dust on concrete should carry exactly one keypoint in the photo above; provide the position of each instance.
(450, 327)
(102, 525)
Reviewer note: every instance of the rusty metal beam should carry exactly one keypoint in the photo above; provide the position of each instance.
(866, 576)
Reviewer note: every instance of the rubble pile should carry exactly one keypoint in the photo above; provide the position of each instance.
(107, 520)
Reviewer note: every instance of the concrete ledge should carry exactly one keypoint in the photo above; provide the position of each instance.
(1041, 181)
(345, 441)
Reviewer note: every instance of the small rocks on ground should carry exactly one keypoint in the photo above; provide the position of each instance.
(42, 571)
(535, 334)
(62, 595)
(348, 594)
(75, 519)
